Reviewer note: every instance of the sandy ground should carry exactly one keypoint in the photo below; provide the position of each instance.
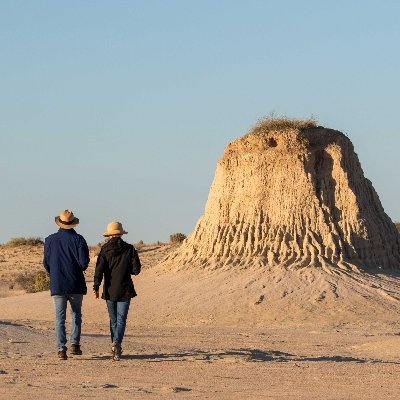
(223, 334)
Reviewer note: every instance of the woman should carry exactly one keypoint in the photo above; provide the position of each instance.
(117, 261)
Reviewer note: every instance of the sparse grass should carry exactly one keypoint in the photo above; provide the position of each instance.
(35, 281)
(22, 241)
(177, 238)
(275, 123)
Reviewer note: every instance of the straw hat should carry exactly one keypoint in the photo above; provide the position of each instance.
(67, 220)
(114, 228)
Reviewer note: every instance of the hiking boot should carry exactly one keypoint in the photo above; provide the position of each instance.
(76, 350)
(116, 351)
(114, 347)
(62, 355)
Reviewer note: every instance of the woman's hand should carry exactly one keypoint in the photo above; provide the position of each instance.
(96, 294)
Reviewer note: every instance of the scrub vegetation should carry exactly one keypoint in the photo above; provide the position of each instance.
(22, 241)
(275, 123)
(32, 282)
(177, 238)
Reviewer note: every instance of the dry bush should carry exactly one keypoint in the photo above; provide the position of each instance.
(397, 226)
(96, 249)
(275, 123)
(22, 241)
(35, 281)
(177, 238)
(139, 244)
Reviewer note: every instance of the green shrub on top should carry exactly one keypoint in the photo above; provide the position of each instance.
(275, 123)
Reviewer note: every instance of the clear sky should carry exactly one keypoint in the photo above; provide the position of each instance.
(120, 110)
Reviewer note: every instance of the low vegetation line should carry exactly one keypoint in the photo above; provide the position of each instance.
(22, 241)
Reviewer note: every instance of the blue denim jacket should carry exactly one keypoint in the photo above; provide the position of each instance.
(66, 256)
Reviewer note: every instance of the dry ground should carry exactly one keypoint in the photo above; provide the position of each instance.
(242, 334)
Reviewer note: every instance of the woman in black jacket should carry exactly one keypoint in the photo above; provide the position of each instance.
(116, 262)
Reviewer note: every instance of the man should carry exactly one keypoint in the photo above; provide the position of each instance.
(117, 261)
(66, 256)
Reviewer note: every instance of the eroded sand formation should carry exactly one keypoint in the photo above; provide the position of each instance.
(291, 193)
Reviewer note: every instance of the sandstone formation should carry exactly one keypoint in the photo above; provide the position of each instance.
(291, 193)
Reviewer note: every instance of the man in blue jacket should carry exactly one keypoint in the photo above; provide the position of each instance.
(66, 256)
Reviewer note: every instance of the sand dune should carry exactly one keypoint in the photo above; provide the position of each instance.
(251, 297)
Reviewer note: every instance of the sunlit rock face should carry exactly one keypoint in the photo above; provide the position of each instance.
(291, 196)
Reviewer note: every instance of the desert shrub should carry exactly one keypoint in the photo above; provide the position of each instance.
(397, 226)
(139, 244)
(35, 281)
(275, 123)
(96, 249)
(177, 238)
(22, 241)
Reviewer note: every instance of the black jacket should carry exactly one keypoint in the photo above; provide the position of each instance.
(117, 261)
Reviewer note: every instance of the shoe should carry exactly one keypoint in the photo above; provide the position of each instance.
(62, 355)
(76, 350)
(116, 351)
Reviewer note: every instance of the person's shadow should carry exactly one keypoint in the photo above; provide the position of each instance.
(246, 355)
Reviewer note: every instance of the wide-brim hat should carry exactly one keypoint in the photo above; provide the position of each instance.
(66, 220)
(114, 228)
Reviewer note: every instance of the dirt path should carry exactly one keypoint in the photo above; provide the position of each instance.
(202, 363)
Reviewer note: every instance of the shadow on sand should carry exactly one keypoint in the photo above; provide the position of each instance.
(147, 250)
(246, 355)
(8, 323)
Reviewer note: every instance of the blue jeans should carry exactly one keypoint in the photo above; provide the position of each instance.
(60, 308)
(118, 312)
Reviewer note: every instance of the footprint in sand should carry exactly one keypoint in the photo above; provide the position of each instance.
(109, 386)
(174, 389)
(321, 296)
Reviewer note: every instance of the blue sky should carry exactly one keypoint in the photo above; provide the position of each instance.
(120, 110)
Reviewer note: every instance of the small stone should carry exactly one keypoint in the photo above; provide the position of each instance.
(260, 300)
